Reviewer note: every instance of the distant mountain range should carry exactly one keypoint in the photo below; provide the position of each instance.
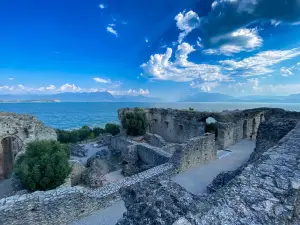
(77, 97)
(217, 97)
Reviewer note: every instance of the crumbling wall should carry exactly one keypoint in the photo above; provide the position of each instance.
(194, 152)
(64, 205)
(16, 131)
(267, 192)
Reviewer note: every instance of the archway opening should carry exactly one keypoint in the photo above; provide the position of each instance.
(10, 146)
(261, 118)
(245, 128)
(211, 125)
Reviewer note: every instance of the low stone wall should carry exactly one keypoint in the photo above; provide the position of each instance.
(194, 152)
(64, 205)
(152, 155)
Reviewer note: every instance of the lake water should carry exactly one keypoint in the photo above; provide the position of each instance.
(75, 115)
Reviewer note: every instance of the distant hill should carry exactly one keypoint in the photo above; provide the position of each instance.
(207, 97)
(217, 97)
(78, 97)
(139, 98)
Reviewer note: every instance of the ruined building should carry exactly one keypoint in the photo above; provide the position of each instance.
(15, 132)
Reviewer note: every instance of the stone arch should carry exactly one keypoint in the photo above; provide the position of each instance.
(245, 129)
(211, 125)
(9, 146)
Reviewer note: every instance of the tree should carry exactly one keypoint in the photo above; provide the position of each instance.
(44, 165)
(97, 131)
(112, 128)
(135, 122)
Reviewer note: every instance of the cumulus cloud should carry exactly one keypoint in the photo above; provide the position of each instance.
(227, 22)
(11, 78)
(111, 30)
(101, 80)
(69, 88)
(186, 22)
(160, 67)
(205, 86)
(237, 41)
(261, 63)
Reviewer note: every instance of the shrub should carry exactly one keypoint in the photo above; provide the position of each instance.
(135, 122)
(112, 128)
(44, 165)
(97, 131)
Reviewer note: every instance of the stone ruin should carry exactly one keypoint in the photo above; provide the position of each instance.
(180, 137)
(15, 132)
(263, 189)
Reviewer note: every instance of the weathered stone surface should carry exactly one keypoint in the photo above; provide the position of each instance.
(78, 150)
(155, 140)
(94, 175)
(16, 130)
(156, 202)
(268, 135)
(64, 205)
(266, 192)
(77, 171)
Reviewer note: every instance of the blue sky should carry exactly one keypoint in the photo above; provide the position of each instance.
(166, 49)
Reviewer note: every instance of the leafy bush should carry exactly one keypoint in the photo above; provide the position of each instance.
(84, 133)
(135, 122)
(112, 128)
(44, 165)
(97, 131)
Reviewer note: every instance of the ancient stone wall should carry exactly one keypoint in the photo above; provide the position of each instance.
(195, 151)
(15, 132)
(64, 205)
(267, 192)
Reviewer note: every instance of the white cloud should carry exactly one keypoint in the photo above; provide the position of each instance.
(112, 30)
(69, 88)
(101, 80)
(146, 40)
(11, 78)
(181, 70)
(138, 92)
(235, 42)
(102, 6)
(260, 63)
(186, 22)
(285, 72)
(205, 86)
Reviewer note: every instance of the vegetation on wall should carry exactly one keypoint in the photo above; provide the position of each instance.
(112, 128)
(44, 165)
(135, 122)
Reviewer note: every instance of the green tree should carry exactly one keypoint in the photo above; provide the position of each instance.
(112, 128)
(97, 131)
(44, 165)
(135, 122)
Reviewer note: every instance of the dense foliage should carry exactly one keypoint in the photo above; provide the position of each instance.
(112, 128)
(84, 133)
(44, 165)
(135, 122)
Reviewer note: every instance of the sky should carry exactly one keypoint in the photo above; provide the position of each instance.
(167, 49)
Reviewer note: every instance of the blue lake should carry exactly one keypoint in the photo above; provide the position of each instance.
(75, 115)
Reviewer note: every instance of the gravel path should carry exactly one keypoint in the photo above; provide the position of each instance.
(108, 216)
(196, 180)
